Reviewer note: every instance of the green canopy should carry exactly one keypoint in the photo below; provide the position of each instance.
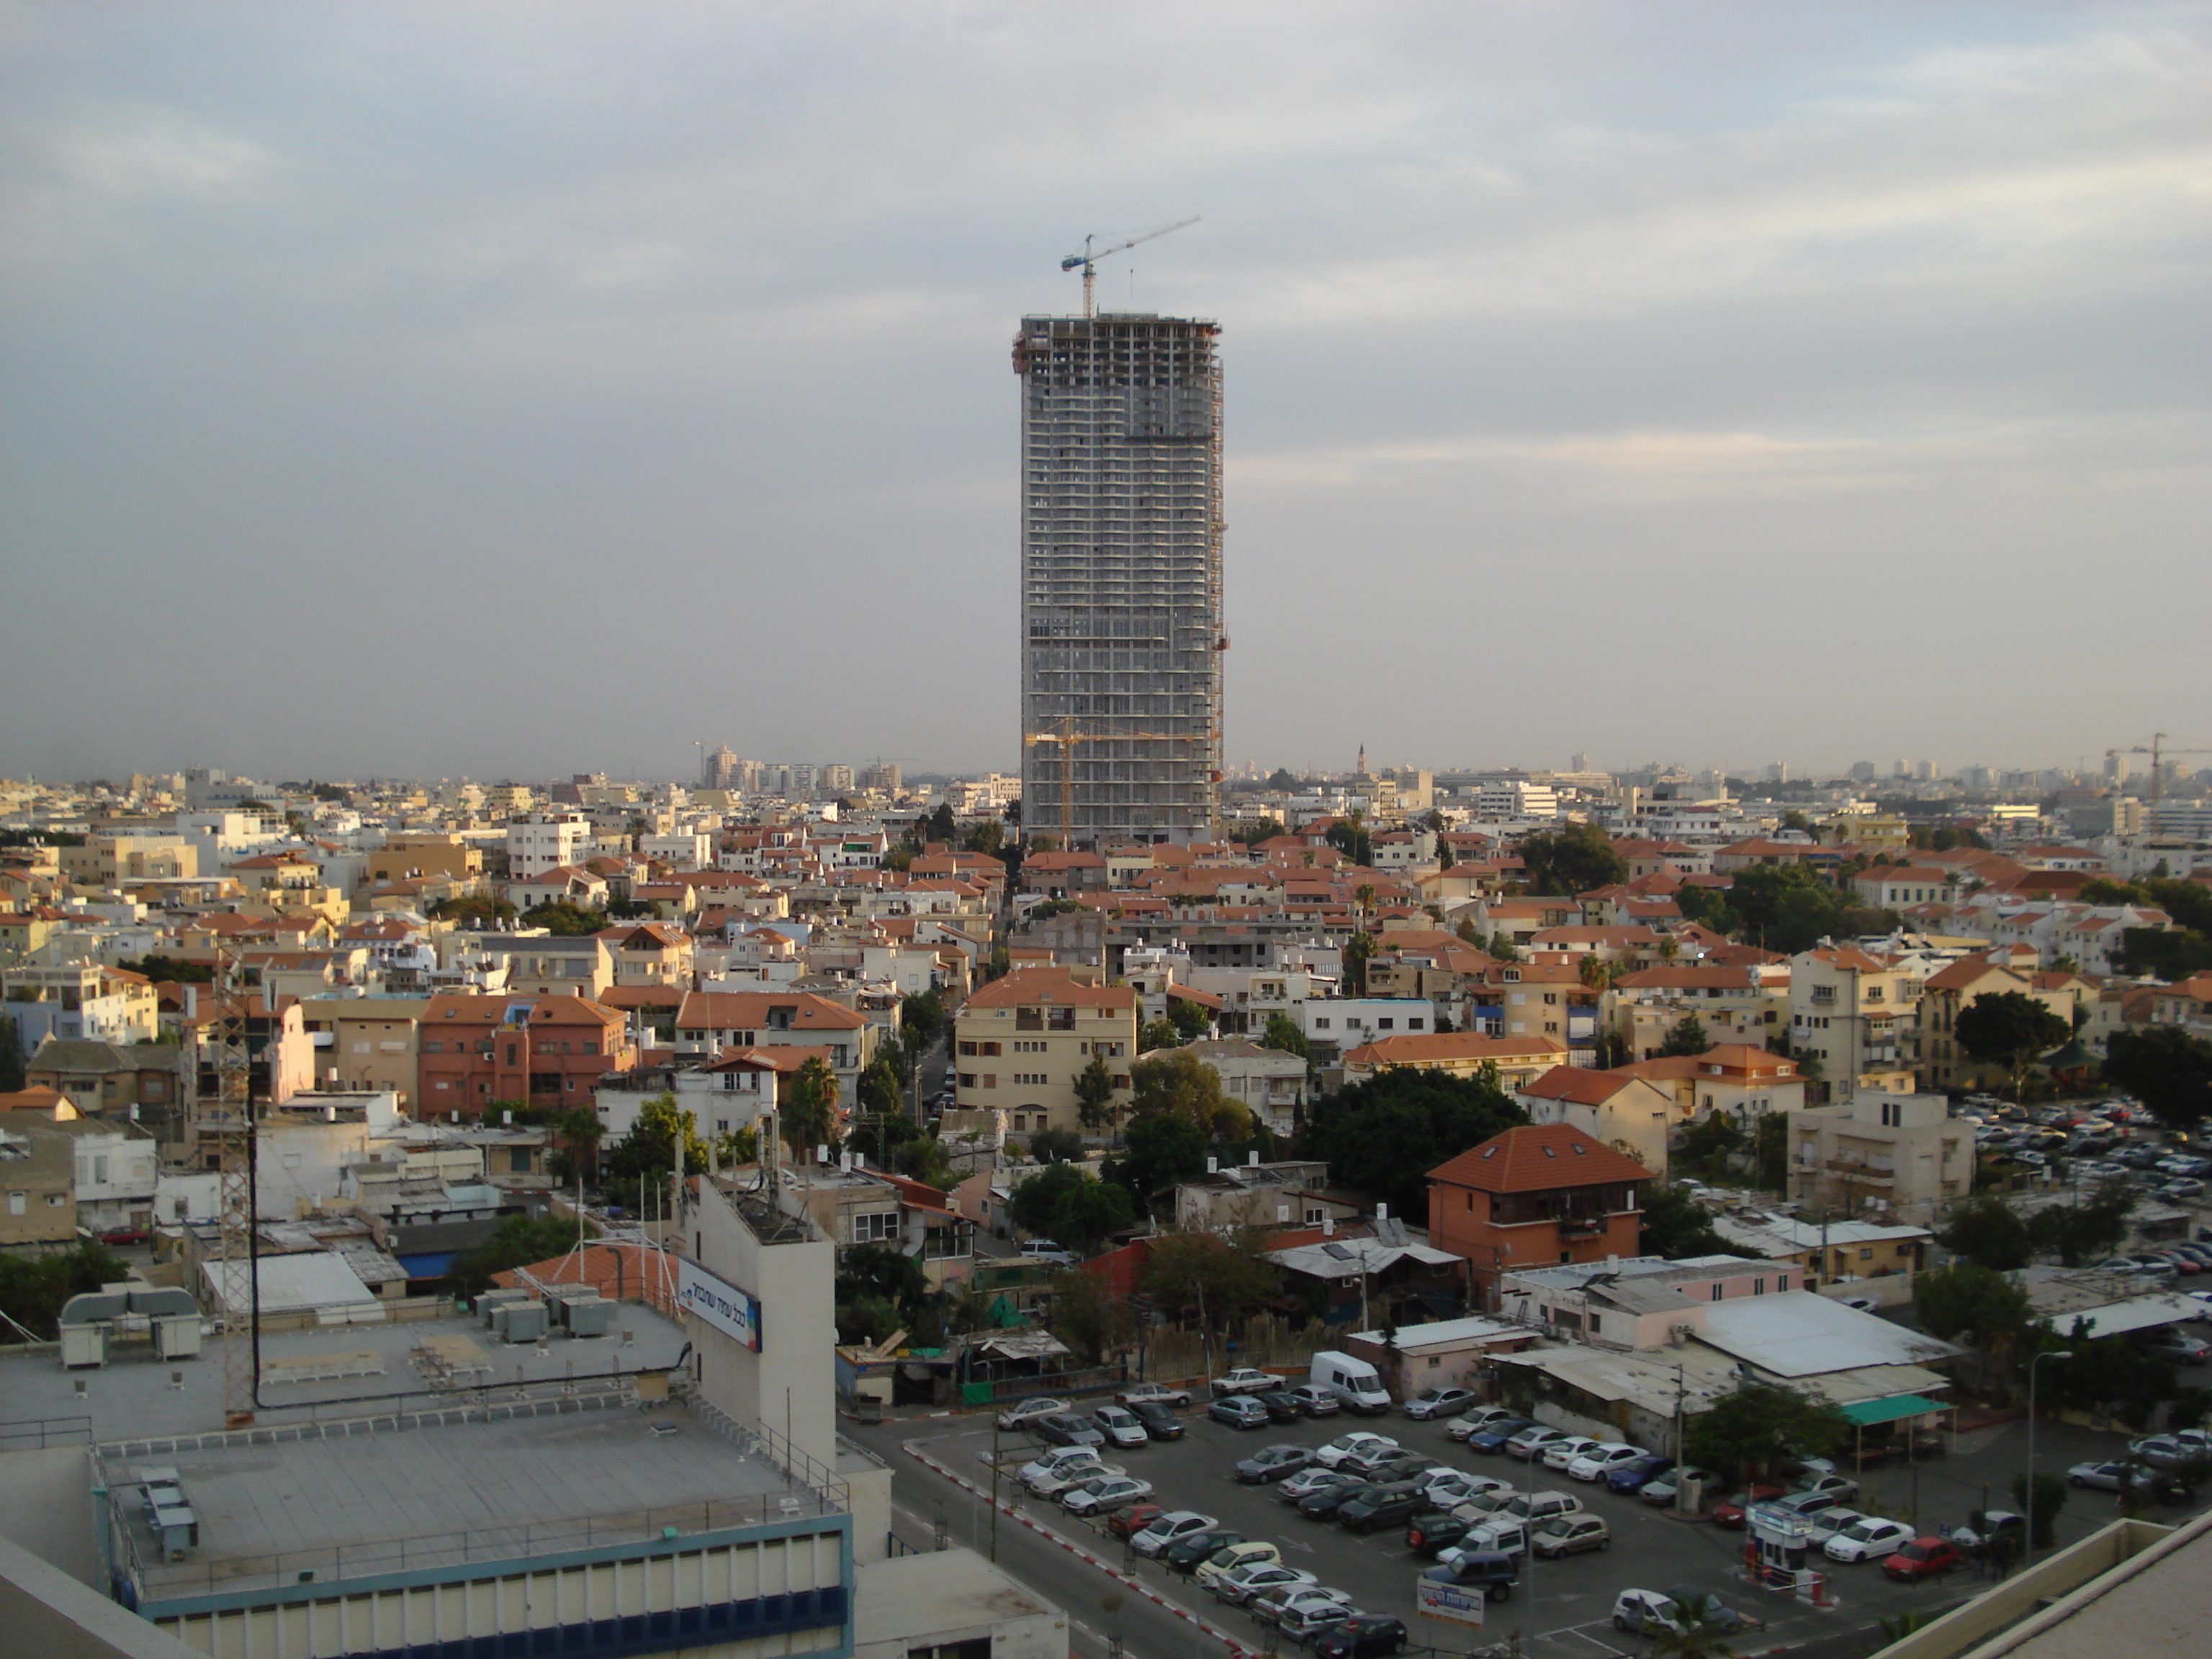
(1867, 1412)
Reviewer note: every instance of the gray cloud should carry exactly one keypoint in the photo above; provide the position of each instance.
(508, 390)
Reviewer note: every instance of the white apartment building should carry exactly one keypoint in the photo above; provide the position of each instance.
(545, 841)
(1901, 1150)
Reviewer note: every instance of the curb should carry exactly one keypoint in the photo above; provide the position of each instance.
(1129, 1580)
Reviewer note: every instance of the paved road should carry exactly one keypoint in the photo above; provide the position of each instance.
(1561, 1610)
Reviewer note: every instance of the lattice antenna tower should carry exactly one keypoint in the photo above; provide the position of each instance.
(234, 1126)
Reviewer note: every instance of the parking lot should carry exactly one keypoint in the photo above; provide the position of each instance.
(1559, 1608)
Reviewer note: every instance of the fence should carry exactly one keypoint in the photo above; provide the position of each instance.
(35, 1433)
(1269, 1342)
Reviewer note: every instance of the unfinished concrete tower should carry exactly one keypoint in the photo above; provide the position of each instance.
(1122, 639)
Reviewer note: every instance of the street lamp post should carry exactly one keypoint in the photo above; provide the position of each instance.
(2027, 1544)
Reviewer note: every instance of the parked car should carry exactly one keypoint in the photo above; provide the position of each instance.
(1571, 1534)
(1382, 1506)
(1448, 1488)
(1067, 1429)
(1873, 1539)
(1431, 1532)
(1432, 1403)
(1663, 1489)
(1159, 1422)
(1310, 1621)
(1985, 1527)
(1323, 1505)
(1561, 1453)
(1238, 1411)
(1836, 1488)
(1164, 1531)
(1361, 1636)
(1496, 1535)
(1389, 1463)
(1047, 1462)
(1273, 1463)
(1600, 1461)
(1247, 1553)
(1730, 1511)
(2114, 1475)
(1155, 1394)
(1044, 1249)
(1537, 1507)
(1238, 1586)
(1645, 1613)
(1128, 1522)
(1498, 1436)
(1314, 1400)
(1187, 1555)
(1121, 1425)
(1050, 1483)
(1023, 1412)
(1288, 1604)
(1823, 1524)
(1245, 1379)
(1310, 1479)
(2178, 1345)
(1494, 1573)
(1330, 1453)
(1633, 1477)
(1922, 1559)
(1104, 1492)
(1529, 1443)
(1476, 1418)
(1282, 1405)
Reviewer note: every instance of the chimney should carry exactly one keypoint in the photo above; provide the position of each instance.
(1252, 1160)
(1328, 1226)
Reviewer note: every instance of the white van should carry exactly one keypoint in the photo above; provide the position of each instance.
(1354, 1382)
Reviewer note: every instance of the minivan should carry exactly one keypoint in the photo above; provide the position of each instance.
(1356, 1384)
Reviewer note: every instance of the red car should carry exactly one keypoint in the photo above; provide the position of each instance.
(1924, 1558)
(1731, 1513)
(1128, 1522)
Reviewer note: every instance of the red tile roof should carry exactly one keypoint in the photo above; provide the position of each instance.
(1539, 1158)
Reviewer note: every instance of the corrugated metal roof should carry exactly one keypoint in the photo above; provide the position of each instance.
(312, 1278)
(1798, 1333)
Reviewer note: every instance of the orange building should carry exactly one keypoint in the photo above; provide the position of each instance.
(1535, 1196)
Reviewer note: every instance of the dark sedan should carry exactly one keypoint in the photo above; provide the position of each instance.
(1323, 1505)
(1362, 1635)
(1282, 1407)
(1384, 1506)
(1159, 1422)
(1631, 1478)
(1492, 1440)
(1427, 1534)
(1066, 1429)
(1184, 1555)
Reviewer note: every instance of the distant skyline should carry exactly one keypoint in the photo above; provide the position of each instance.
(473, 389)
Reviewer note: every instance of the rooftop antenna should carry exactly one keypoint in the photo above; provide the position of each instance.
(1089, 258)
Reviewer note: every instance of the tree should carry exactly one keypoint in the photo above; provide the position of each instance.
(1282, 781)
(175, 970)
(1350, 838)
(1251, 835)
(1686, 1035)
(1088, 1317)
(1191, 1019)
(1094, 1096)
(2050, 1499)
(1987, 1231)
(988, 838)
(1571, 861)
(2166, 1068)
(1056, 1146)
(921, 1016)
(1501, 946)
(940, 825)
(2086, 1232)
(1157, 1152)
(808, 1107)
(1358, 951)
(476, 910)
(1215, 1277)
(1282, 1034)
(880, 1291)
(11, 1057)
(1985, 1310)
(517, 1241)
(1181, 1084)
(1067, 1204)
(2011, 1029)
(579, 1133)
(1743, 1434)
(1384, 1133)
(1158, 1034)
(566, 919)
(1674, 1226)
(35, 1288)
(648, 1152)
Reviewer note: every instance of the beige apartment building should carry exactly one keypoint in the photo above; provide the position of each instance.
(1901, 1150)
(367, 1044)
(1021, 1041)
(1854, 1016)
(1946, 994)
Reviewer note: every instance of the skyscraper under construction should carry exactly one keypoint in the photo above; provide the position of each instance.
(1121, 523)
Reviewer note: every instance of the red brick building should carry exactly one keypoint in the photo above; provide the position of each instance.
(1535, 1197)
(549, 1051)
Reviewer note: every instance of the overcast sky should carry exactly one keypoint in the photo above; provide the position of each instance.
(523, 389)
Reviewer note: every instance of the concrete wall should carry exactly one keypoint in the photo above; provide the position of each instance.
(45, 1611)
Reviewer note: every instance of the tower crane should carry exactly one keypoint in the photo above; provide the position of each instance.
(2157, 750)
(1067, 737)
(1089, 257)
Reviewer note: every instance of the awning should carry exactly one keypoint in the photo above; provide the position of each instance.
(1866, 1413)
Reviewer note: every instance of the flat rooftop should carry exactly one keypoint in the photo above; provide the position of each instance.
(373, 1364)
(394, 1497)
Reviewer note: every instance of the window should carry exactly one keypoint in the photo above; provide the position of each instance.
(874, 1229)
(1594, 1321)
(1893, 1114)
(1386, 1024)
(1320, 1023)
(1435, 1360)
(1713, 1291)
(1759, 1288)
(18, 1203)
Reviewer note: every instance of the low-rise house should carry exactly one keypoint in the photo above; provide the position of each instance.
(1517, 1059)
(1904, 1155)
(1741, 1003)
(1632, 1115)
(1947, 993)
(1541, 1193)
(138, 1080)
(38, 1181)
(1638, 1303)
(546, 964)
(1290, 1192)
(1878, 1257)
(710, 1023)
(1268, 1083)
(1734, 1079)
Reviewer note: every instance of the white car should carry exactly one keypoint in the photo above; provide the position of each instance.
(1108, 1491)
(1499, 1536)
(1022, 1412)
(1830, 1523)
(1871, 1539)
(1596, 1464)
(1240, 1585)
(1357, 1443)
(1176, 1524)
(1050, 1483)
(1476, 1420)
(1058, 1458)
(1561, 1453)
(1119, 1427)
(1445, 1487)
(1289, 1604)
